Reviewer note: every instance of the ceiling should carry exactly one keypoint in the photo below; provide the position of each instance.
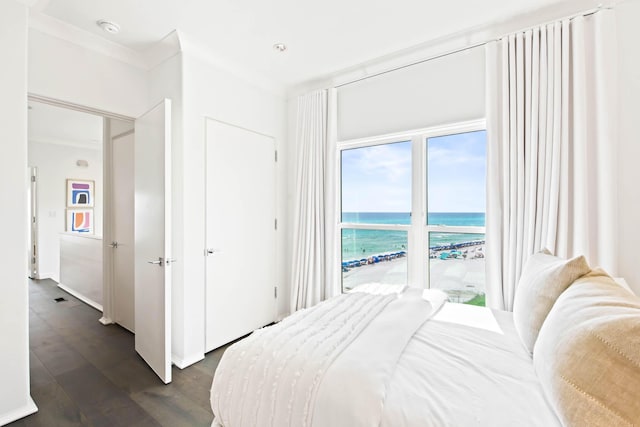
(55, 125)
(322, 37)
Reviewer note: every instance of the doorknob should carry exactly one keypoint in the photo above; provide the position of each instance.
(158, 262)
(114, 245)
(210, 251)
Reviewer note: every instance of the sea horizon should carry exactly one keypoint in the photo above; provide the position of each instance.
(358, 243)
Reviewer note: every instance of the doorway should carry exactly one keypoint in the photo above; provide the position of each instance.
(105, 220)
(67, 203)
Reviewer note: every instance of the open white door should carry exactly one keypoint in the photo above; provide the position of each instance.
(152, 175)
(122, 229)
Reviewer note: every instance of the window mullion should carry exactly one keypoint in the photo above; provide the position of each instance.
(416, 237)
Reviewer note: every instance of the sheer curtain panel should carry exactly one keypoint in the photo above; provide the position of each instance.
(309, 268)
(552, 147)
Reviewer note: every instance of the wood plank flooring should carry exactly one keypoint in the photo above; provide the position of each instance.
(86, 374)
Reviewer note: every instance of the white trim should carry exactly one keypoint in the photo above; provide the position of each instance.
(21, 412)
(108, 291)
(81, 297)
(77, 107)
(182, 363)
(430, 132)
(365, 226)
(455, 229)
(106, 321)
(191, 47)
(56, 28)
(45, 276)
(166, 48)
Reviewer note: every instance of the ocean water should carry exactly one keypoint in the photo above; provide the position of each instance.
(358, 243)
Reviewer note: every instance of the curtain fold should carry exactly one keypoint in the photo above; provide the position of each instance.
(309, 258)
(551, 155)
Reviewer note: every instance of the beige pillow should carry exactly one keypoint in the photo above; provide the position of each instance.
(587, 356)
(544, 277)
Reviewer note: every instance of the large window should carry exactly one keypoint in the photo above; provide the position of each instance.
(413, 211)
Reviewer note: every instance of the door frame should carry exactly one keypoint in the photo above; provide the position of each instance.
(107, 229)
(34, 269)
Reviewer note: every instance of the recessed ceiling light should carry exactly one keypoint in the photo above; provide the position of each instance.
(280, 47)
(108, 26)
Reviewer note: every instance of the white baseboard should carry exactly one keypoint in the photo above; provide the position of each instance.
(105, 321)
(186, 362)
(81, 297)
(44, 276)
(16, 414)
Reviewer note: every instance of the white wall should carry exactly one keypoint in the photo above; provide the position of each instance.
(214, 93)
(55, 164)
(66, 71)
(15, 401)
(628, 17)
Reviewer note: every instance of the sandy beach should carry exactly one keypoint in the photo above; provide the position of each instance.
(461, 277)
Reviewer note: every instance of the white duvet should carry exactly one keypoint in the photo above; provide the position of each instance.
(329, 365)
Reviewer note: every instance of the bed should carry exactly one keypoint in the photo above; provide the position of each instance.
(406, 358)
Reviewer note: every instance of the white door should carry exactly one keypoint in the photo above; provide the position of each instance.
(240, 230)
(152, 176)
(122, 152)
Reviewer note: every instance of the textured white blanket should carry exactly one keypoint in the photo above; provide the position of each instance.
(325, 366)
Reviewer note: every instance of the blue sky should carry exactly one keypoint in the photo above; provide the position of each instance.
(378, 179)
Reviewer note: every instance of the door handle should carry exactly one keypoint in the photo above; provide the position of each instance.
(158, 262)
(114, 245)
(211, 251)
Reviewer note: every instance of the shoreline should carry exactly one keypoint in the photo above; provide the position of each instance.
(461, 276)
(477, 245)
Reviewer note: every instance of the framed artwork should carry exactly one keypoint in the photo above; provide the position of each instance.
(79, 193)
(80, 220)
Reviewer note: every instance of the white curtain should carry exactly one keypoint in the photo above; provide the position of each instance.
(309, 284)
(551, 155)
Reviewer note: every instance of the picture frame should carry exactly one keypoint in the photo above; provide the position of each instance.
(80, 193)
(80, 221)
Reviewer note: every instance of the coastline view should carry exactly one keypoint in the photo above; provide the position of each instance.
(456, 260)
(379, 184)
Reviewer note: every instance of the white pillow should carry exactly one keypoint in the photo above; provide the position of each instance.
(544, 277)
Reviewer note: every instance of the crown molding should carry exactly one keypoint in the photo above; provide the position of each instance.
(191, 47)
(61, 30)
(170, 45)
(167, 47)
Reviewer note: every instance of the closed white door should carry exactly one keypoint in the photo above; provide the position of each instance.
(152, 230)
(122, 147)
(240, 232)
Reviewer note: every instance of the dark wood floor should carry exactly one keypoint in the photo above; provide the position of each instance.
(87, 374)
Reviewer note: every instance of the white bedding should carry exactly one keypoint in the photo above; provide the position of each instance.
(466, 367)
(386, 365)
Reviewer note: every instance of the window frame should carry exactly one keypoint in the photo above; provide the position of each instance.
(418, 231)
